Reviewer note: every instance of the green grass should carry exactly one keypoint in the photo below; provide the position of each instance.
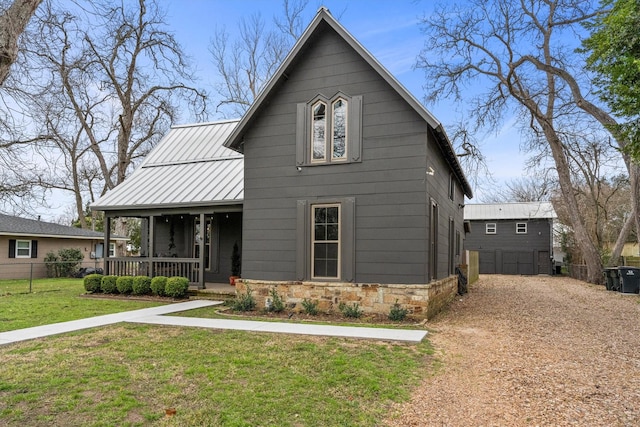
(128, 374)
(52, 301)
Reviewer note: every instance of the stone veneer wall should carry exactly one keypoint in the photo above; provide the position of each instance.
(422, 301)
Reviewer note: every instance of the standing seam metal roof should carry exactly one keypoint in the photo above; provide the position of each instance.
(496, 211)
(189, 167)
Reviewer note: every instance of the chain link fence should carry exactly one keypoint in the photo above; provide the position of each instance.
(23, 277)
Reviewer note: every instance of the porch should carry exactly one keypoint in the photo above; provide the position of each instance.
(197, 246)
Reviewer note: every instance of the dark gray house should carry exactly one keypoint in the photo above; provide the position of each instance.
(347, 178)
(511, 238)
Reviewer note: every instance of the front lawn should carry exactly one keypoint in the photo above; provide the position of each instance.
(130, 374)
(52, 301)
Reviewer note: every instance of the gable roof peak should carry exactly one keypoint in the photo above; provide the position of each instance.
(235, 139)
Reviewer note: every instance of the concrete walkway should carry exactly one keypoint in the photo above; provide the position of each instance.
(156, 316)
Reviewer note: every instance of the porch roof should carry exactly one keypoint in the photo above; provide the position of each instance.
(190, 166)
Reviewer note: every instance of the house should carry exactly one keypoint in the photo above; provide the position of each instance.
(24, 243)
(336, 183)
(511, 238)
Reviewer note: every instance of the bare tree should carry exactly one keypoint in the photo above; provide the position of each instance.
(246, 64)
(13, 21)
(103, 87)
(518, 51)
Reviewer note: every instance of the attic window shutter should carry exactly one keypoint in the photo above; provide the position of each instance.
(34, 249)
(12, 248)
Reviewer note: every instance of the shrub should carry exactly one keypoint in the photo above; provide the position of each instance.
(124, 284)
(158, 284)
(63, 264)
(92, 283)
(176, 287)
(141, 285)
(350, 310)
(70, 260)
(51, 261)
(397, 313)
(244, 302)
(310, 307)
(108, 284)
(277, 304)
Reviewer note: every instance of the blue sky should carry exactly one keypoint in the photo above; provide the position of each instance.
(388, 29)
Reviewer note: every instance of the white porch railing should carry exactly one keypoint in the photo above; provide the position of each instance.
(138, 266)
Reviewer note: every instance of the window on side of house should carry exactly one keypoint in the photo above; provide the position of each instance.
(490, 228)
(521, 228)
(328, 130)
(23, 248)
(325, 241)
(112, 250)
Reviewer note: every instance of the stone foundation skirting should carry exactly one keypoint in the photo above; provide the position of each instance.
(422, 301)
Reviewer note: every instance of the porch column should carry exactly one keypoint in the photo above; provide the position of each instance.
(107, 238)
(201, 243)
(152, 227)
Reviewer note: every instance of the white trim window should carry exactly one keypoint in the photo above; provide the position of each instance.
(112, 250)
(325, 239)
(491, 228)
(521, 228)
(23, 248)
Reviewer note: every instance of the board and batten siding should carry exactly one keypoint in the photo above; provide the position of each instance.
(388, 191)
(495, 249)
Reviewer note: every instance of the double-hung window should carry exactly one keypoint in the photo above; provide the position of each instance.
(521, 228)
(325, 241)
(490, 228)
(23, 248)
(329, 130)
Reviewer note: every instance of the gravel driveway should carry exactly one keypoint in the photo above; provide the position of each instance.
(532, 351)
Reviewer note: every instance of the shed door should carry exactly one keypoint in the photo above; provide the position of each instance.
(487, 261)
(544, 262)
(517, 262)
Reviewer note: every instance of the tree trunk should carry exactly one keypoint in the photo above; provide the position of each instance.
(588, 249)
(12, 23)
(622, 238)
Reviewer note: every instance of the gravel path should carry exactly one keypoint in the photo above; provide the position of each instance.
(532, 351)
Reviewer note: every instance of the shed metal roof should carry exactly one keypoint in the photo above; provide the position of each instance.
(16, 226)
(190, 166)
(496, 211)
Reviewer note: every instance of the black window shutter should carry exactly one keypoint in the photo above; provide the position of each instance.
(303, 252)
(34, 249)
(12, 248)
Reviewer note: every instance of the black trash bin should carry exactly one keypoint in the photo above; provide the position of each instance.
(629, 280)
(612, 278)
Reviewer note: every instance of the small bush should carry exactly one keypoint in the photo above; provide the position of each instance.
(397, 313)
(141, 285)
(51, 261)
(124, 284)
(92, 283)
(310, 307)
(277, 304)
(158, 285)
(244, 302)
(176, 287)
(108, 284)
(353, 311)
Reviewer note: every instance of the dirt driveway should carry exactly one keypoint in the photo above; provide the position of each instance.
(532, 351)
